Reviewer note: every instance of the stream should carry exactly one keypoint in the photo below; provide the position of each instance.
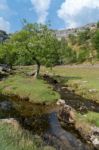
(41, 120)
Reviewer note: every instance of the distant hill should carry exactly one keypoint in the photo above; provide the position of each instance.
(66, 32)
(3, 36)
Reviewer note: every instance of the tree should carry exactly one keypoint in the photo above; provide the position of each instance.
(8, 53)
(95, 41)
(38, 44)
(3, 36)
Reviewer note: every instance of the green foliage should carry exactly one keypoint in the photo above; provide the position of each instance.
(37, 44)
(37, 91)
(72, 39)
(98, 24)
(83, 55)
(83, 36)
(91, 118)
(95, 42)
(13, 137)
(66, 54)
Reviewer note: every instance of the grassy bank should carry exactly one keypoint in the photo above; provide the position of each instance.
(36, 90)
(84, 79)
(92, 118)
(13, 137)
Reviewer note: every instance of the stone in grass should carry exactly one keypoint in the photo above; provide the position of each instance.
(6, 105)
(95, 141)
(31, 73)
(85, 81)
(92, 90)
(95, 137)
(60, 102)
(67, 114)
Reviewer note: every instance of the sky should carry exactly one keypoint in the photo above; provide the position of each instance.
(60, 13)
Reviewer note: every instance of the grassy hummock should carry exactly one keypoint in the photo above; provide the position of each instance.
(13, 137)
(36, 90)
(91, 118)
(84, 79)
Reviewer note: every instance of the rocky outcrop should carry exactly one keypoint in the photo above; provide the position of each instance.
(95, 137)
(3, 36)
(66, 32)
(67, 117)
(6, 105)
(60, 102)
(5, 69)
(67, 114)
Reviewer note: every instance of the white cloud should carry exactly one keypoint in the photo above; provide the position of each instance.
(4, 24)
(71, 9)
(3, 5)
(41, 7)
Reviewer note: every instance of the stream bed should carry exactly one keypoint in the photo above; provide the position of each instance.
(41, 120)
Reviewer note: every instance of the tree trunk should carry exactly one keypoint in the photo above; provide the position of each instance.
(38, 70)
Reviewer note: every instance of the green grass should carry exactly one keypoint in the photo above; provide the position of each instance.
(91, 118)
(84, 74)
(13, 137)
(81, 79)
(37, 90)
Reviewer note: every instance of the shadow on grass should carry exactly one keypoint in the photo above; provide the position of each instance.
(30, 116)
(78, 102)
(3, 76)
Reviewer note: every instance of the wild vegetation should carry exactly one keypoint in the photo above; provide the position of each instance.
(13, 137)
(85, 45)
(43, 70)
(37, 44)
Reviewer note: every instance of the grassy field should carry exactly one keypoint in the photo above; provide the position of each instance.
(91, 118)
(83, 79)
(36, 90)
(13, 137)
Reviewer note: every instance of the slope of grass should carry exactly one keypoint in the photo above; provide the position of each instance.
(91, 118)
(36, 90)
(12, 137)
(84, 79)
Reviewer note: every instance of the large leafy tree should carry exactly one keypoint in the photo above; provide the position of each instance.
(37, 43)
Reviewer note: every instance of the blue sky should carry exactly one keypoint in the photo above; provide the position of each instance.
(61, 13)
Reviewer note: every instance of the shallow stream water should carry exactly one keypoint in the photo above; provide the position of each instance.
(41, 120)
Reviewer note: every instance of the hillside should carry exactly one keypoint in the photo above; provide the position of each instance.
(66, 32)
(83, 43)
(75, 45)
